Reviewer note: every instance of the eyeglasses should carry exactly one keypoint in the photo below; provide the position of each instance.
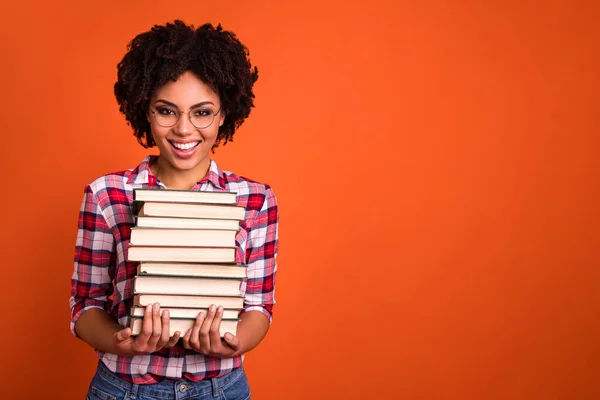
(200, 117)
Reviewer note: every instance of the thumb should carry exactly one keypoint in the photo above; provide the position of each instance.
(232, 340)
(123, 334)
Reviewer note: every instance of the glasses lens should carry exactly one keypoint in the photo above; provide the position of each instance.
(202, 117)
(166, 116)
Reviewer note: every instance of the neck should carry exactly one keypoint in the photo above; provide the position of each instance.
(179, 179)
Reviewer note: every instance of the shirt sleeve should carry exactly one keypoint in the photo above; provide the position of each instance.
(91, 282)
(261, 255)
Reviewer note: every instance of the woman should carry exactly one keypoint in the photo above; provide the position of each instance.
(183, 90)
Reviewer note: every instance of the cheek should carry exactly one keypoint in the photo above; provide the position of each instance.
(160, 140)
(157, 131)
(210, 135)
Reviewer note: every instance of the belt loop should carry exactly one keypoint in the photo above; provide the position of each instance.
(134, 390)
(215, 387)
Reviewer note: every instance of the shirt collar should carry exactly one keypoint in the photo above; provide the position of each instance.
(142, 175)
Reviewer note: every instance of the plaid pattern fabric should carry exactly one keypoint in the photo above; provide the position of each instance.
(102, 276)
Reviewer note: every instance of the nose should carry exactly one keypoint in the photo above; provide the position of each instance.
(184, 126)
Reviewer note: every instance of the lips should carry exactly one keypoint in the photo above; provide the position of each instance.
(186, 150)
(184, 146)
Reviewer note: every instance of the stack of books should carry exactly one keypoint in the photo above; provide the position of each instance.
(184, 244)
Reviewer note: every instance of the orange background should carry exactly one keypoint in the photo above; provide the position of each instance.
(436, 165)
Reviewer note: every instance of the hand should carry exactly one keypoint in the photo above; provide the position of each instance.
(153, 336)
(205, 338)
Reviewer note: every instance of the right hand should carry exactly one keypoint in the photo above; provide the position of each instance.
(153, 337)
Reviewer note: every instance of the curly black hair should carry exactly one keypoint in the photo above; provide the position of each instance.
(165, 52)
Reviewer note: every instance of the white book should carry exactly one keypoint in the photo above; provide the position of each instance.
(186, 286)
(182, 237)
(190, 269)
(182, 325)
(181, 254)
(188, 210)
(183, 196)
(182, 301)
(189, 313)
(187, 223)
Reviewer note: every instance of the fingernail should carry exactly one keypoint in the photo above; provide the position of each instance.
(212, 308)
(201, 316)
(156, 306)
(220, 309)
(149, 307)
(166, 313)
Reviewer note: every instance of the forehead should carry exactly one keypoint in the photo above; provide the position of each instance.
(186, 90)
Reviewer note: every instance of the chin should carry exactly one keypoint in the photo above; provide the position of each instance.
(186, 165)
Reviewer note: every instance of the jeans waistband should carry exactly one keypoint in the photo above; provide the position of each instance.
(166, 387)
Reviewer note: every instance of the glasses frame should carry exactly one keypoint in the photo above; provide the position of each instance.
(214, 114)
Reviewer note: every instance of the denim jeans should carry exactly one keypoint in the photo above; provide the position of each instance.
(107, 386)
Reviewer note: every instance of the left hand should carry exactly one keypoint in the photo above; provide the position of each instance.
(205, 338)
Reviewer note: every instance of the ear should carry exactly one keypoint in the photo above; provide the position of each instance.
(221, 118)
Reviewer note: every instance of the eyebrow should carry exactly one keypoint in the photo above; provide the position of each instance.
(202, 103)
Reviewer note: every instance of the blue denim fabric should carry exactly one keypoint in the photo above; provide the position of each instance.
(107, 386)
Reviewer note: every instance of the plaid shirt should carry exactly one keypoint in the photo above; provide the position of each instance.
(103, 277)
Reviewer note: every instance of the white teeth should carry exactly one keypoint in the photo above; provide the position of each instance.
(185, 146)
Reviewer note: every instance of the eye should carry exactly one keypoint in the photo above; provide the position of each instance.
(165, 111)
(202, 112)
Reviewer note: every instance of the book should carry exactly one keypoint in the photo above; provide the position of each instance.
(186, 286)
(182, 254)
(189, 313)
(185, 245)
(182, 237)
(230, 302)
(184, 196)
(182, 325)
(187, 223)
(188, 210)
(189, 269)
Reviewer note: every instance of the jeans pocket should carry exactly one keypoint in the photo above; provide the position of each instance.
(237, 389)
(96, 394)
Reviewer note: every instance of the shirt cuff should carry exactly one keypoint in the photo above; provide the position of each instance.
(87, 304)
(262, 309)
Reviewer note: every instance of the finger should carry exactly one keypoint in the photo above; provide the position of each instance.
(195, 336)
(232, 341)
(205, 343)
(215, 331)
(123, 334)
(146, 326)
(165, 331)
(173, 341)
(186, 340)
(156, 326)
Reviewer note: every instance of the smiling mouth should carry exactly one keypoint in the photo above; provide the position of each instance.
(184, 146)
